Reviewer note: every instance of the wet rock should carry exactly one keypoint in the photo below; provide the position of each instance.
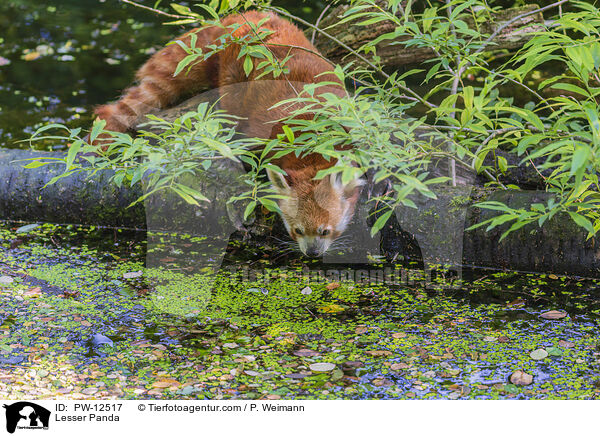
(521, 378)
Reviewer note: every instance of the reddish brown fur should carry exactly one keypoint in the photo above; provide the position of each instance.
(158, 88)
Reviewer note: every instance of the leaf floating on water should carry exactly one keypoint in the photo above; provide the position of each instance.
(554, 351)
(305, 352)
(132, 275)
(539, 354)
(361, 329)
(90, 391)
(511, 389)
(32, 56)
(33, 292)
(295, 375)
(399, 366)
(378, 353)
(322, 367)
(554, 314)
(188, 390)
(553, 276)
(332, 286)
(565, 344)
(337, 374)
(306, 291)
(398, 335)
(521, 378)
(351, 364)
(490, 339)
(331, 308)
(165, 383)
(27, 228)
(381, 382)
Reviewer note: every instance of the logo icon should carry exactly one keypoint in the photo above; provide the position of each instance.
(26, 415)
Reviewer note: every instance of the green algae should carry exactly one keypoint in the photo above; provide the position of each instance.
(184, 333)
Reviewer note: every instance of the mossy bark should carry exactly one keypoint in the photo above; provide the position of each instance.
(439, 229)
(514, 27)
(72, 200)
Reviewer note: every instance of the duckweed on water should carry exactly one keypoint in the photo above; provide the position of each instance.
(177, 332)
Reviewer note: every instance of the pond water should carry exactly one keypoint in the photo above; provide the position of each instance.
(59, 60)
(81, 316)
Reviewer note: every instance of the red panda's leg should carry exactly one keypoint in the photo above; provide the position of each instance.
(157, 86)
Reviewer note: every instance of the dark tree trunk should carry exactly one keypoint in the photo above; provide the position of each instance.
(72, 200)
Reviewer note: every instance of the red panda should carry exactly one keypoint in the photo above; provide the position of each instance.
(315, 212)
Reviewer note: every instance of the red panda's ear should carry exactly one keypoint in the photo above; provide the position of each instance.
(279, 182)
(351, 189)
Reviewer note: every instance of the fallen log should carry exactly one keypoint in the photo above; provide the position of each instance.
(73, 200)
(434, 234)
(512, 28)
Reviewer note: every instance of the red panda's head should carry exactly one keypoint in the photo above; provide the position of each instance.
(315, 212)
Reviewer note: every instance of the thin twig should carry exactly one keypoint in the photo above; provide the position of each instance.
(454, 89)
(312, 38)
(516, 82)
(496, 133)
(156, 11)
(308, 50)
(535, 167)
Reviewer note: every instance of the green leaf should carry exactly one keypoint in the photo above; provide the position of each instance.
(378, 225)
(72, 154)
(571, 88)
(36, 164)
(184, 63)
(582, 221)
(183, 10)
(289, 134)
(502, 164)
(468, 94)
(269, 204)
(249, 209)
(208, 9)
(580, 158)
(192, 192)
(97, 128)
(248, 65)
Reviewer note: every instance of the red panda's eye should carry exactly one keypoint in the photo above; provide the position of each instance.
(325, 232)
(298, 231)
